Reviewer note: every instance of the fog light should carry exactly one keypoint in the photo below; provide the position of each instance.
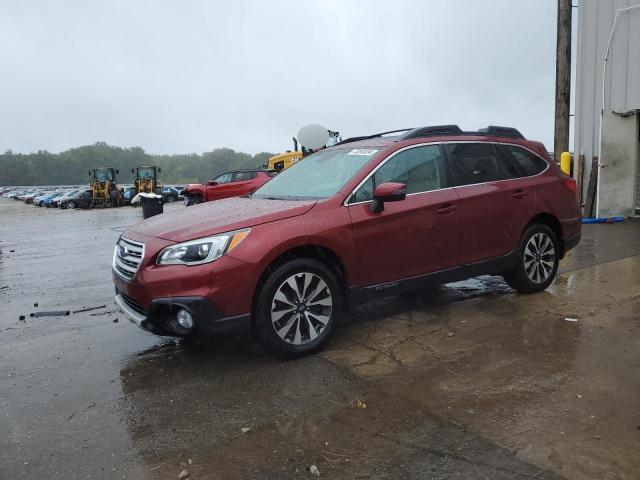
(185, 319)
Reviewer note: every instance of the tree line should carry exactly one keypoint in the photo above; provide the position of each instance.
(71, 166)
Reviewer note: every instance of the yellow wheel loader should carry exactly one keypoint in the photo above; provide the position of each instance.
(104, 189)
(282, 161)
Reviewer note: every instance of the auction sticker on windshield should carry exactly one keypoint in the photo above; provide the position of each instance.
(362, 151)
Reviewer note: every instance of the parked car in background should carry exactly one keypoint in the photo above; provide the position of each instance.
(57, 200)
(170, 194)
(28, 198)
(368, 217)
(15, 194)
(76, 199)
(46, 202)
(228, 184)
(37, 200)
(128, 194)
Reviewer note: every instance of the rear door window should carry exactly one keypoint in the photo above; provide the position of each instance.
(243, 176)
(473, 163)
(527, 163)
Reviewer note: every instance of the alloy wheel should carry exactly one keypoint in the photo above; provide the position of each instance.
(539, 258)
(301, 308)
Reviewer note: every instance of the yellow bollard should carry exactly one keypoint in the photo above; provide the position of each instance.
(565, 162)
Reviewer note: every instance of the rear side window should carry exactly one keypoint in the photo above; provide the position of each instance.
(473, 163)
(526, 162)
(421, 169)
(244, 176)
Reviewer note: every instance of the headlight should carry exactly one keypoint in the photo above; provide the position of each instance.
(202, 250)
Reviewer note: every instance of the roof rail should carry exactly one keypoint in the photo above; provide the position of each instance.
(497, 131)
(375, 135)
(432, 131)
(437, 130)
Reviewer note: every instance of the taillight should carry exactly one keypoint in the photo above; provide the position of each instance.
(570, 184)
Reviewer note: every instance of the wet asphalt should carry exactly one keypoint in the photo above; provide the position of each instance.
(469, 380)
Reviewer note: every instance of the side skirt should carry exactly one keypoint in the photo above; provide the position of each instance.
(494, 266)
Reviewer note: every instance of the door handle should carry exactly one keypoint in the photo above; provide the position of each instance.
(447, 209)
(519, 194)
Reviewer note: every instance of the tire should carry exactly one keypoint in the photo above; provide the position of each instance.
(170, 199)
(537, 260)
(289, 324)
(194, 200)
(71, 204)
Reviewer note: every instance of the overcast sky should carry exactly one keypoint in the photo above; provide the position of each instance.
(189, 76)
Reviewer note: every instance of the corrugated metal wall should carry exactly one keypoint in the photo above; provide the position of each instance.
(595, 20)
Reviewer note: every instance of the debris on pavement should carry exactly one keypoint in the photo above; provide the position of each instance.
(21, 318)
(357, 403)
(115, 320)
(313, 470)
(245, 430)
(51, 313)
(569, 319)
(578, 396)
(183, 474)
(86, 309)
(450, 334)
(35, 305)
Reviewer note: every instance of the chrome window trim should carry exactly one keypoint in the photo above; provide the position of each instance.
(372, 172)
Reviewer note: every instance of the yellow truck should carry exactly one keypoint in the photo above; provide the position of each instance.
(284, 160)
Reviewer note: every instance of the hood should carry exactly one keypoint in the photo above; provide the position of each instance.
(210, 218)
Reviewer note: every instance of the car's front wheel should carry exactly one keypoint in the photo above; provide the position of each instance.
(537, 260)
(194, 200)
(70, 204)
(297, 307)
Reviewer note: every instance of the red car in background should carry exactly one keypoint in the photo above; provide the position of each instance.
(228, 184)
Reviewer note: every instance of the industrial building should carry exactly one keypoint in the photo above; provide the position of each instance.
(607, 103)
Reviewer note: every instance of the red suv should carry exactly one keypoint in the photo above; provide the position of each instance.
(371, 216)
(228, 184)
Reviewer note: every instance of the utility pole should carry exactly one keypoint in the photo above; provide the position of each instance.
(563, 79)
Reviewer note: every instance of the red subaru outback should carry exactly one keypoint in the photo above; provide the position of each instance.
(371, 216)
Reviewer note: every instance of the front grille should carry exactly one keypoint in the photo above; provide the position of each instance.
(127, 257)
(133, 304)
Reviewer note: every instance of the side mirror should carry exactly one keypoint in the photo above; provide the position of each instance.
(159, 170)
(89, 173)
(212, 183)
(387, 192)
(117, 171)
(132, 171)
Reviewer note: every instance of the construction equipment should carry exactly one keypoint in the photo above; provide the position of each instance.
(104, 189)
(282, 161)
(146, 179)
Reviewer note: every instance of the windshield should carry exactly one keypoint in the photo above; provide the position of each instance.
(146, 172)
(104, 175)
(320, 175)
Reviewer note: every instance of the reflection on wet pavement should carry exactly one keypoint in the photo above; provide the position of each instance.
(469, 380)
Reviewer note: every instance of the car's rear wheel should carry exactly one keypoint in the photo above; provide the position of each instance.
(537, 260)
(297, 307)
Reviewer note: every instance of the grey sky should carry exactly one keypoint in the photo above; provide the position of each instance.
(189, 76)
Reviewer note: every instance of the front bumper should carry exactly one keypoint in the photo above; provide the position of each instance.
(160, 318)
